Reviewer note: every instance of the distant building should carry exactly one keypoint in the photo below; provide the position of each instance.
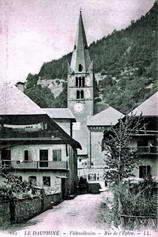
(93, 167)
(33, 146)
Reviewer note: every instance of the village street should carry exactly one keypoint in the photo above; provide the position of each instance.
(83, 213)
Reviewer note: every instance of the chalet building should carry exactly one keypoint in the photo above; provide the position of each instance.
(147, 143)
(33, 146)
(93, 168)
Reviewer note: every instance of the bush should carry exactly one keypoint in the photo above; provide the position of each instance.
(138, 200)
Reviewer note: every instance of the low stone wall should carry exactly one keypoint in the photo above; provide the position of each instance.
(26, 208)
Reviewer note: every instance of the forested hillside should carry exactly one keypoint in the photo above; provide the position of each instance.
(125, 62)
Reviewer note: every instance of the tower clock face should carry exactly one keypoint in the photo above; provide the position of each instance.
(78, 107)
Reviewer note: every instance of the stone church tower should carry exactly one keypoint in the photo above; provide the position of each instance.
(81, 86)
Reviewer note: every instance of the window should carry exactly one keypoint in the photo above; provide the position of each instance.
(43, 158)
(32, 180)
(80, 94)
(83, 81)
(80, 81)
(6, 157)
(26, 155)
(98, 177)
(142, 143)
(20, 178)
(92, 177)
(77, 94)
(80, 68)
(46, 181)
(144, 171)
(77, 82)
(57, 155)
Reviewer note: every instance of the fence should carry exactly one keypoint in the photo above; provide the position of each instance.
(20, 210)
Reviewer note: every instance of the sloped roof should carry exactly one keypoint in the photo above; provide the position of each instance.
(15, 102)
(107, 117)
(149, 107)
(80, 53)
(59, 113)
(99, 107)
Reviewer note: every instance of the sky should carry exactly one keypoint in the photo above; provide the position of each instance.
(36, 31)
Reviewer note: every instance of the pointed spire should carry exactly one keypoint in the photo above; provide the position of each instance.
(80, 61)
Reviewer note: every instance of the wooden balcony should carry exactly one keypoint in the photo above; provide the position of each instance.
(33, 165)
(147, 150)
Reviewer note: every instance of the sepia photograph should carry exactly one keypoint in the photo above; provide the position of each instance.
(78, 118)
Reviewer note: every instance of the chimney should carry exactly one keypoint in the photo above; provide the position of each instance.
(20, 85)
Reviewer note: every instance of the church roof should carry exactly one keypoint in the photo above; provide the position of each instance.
(80, 53)
(149, 107)
(60, 113)
(107, 117)
(15, 102)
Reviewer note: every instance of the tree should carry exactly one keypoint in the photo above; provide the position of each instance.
(41, 96)
(121, 159)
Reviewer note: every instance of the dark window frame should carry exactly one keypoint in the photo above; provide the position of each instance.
(79, 94)
(58, 155)
(26, 155)
(43, 162)
(46, 181)
(144, 171)
(80, 67)
(32, 179)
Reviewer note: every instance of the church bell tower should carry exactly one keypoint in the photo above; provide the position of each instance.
(81, 84)
(81, 77)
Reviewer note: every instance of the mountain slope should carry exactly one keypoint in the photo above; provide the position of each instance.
(125, 64)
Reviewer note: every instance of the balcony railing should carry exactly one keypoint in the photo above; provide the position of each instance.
(148, 150)
(44, 165)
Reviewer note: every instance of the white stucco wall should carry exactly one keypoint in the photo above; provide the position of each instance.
(17, 153)
(97, 155)
(65, 125)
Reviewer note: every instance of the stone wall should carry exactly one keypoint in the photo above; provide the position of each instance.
(27, 208)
